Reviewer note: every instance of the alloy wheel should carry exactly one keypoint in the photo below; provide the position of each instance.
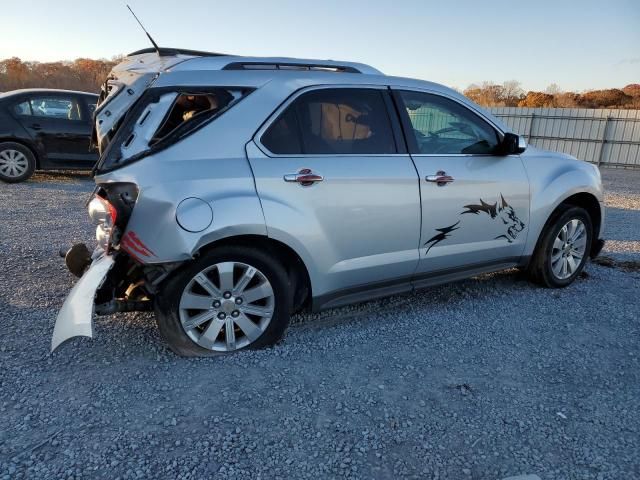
(227, 306)
(13, 163)
(569, 248)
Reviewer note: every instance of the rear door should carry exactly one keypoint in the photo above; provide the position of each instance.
(475, 203)
(60, 124)
(336, 182)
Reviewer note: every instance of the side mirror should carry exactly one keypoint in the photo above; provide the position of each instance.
(511, 144)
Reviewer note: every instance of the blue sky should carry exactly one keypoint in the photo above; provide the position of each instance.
(577, 44)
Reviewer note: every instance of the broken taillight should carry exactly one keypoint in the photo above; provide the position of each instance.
(104, 215)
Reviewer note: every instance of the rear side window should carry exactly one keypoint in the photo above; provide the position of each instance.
(340, 121)
(91, 107)
(23, 108)
(67, 108)
(283, 137)
(164, 117)
(188, 106)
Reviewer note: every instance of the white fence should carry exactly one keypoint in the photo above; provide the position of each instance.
(603, 136)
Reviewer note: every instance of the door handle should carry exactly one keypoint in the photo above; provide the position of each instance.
(304, 177)
(441, 178)
(35, 126)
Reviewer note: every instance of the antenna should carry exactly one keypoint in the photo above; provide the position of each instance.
(155, 45)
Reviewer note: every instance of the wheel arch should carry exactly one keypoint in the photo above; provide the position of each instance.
(585, 200)
(591, 204)
(300, 279)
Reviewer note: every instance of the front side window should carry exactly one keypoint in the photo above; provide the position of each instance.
(442, 126)
(339, 121)
(51, 107)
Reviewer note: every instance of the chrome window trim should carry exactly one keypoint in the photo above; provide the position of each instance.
(455, 155)
(442, 155)
(292, 98)
(328, 155)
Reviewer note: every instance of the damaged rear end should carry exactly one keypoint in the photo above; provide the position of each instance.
(110, 279)
(133, 120)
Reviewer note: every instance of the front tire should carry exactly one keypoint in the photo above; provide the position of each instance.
(563, 249)
(229, 299)
(17, 162)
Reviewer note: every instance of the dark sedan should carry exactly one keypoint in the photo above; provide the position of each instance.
(45, 129)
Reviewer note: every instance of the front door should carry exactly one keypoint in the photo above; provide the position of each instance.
(475, 204)
(336, 184)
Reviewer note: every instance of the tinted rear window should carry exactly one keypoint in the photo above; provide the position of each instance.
(339, 121)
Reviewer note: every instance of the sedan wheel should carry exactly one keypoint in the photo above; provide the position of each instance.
(17, 163)
(13, 163)
(227, 306)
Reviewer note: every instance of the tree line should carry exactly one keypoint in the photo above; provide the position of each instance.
(86, 74)
(83, 74)
(511, 94)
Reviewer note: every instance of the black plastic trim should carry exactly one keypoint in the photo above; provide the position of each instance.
(405, 121)
(362, 293)
(394, 120)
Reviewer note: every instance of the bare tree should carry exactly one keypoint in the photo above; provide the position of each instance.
(512, 93)
(553, 89)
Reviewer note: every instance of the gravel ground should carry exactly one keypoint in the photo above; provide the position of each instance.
(486, 378)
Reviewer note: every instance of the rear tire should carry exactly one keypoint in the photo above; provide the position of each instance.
(563, 249)
(17, 162)
(233, 316)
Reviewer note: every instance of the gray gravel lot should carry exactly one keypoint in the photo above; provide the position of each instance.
(486, 378)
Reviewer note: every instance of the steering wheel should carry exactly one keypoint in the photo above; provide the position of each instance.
(461, 127)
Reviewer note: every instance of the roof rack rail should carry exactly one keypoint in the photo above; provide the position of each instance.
(318, 67)
(163, 51)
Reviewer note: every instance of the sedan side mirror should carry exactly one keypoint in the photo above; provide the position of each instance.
(511, 144)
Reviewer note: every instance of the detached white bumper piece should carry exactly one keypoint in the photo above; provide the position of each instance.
(75, 318)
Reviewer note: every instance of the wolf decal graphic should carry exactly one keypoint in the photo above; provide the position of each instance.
(444, 233)
(498, 210)
(504, 212)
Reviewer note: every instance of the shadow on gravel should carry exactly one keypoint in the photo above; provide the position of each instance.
(626, 265)
(65, 181)
(61, 176)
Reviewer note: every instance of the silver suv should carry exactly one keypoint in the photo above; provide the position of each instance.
(234, 191)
